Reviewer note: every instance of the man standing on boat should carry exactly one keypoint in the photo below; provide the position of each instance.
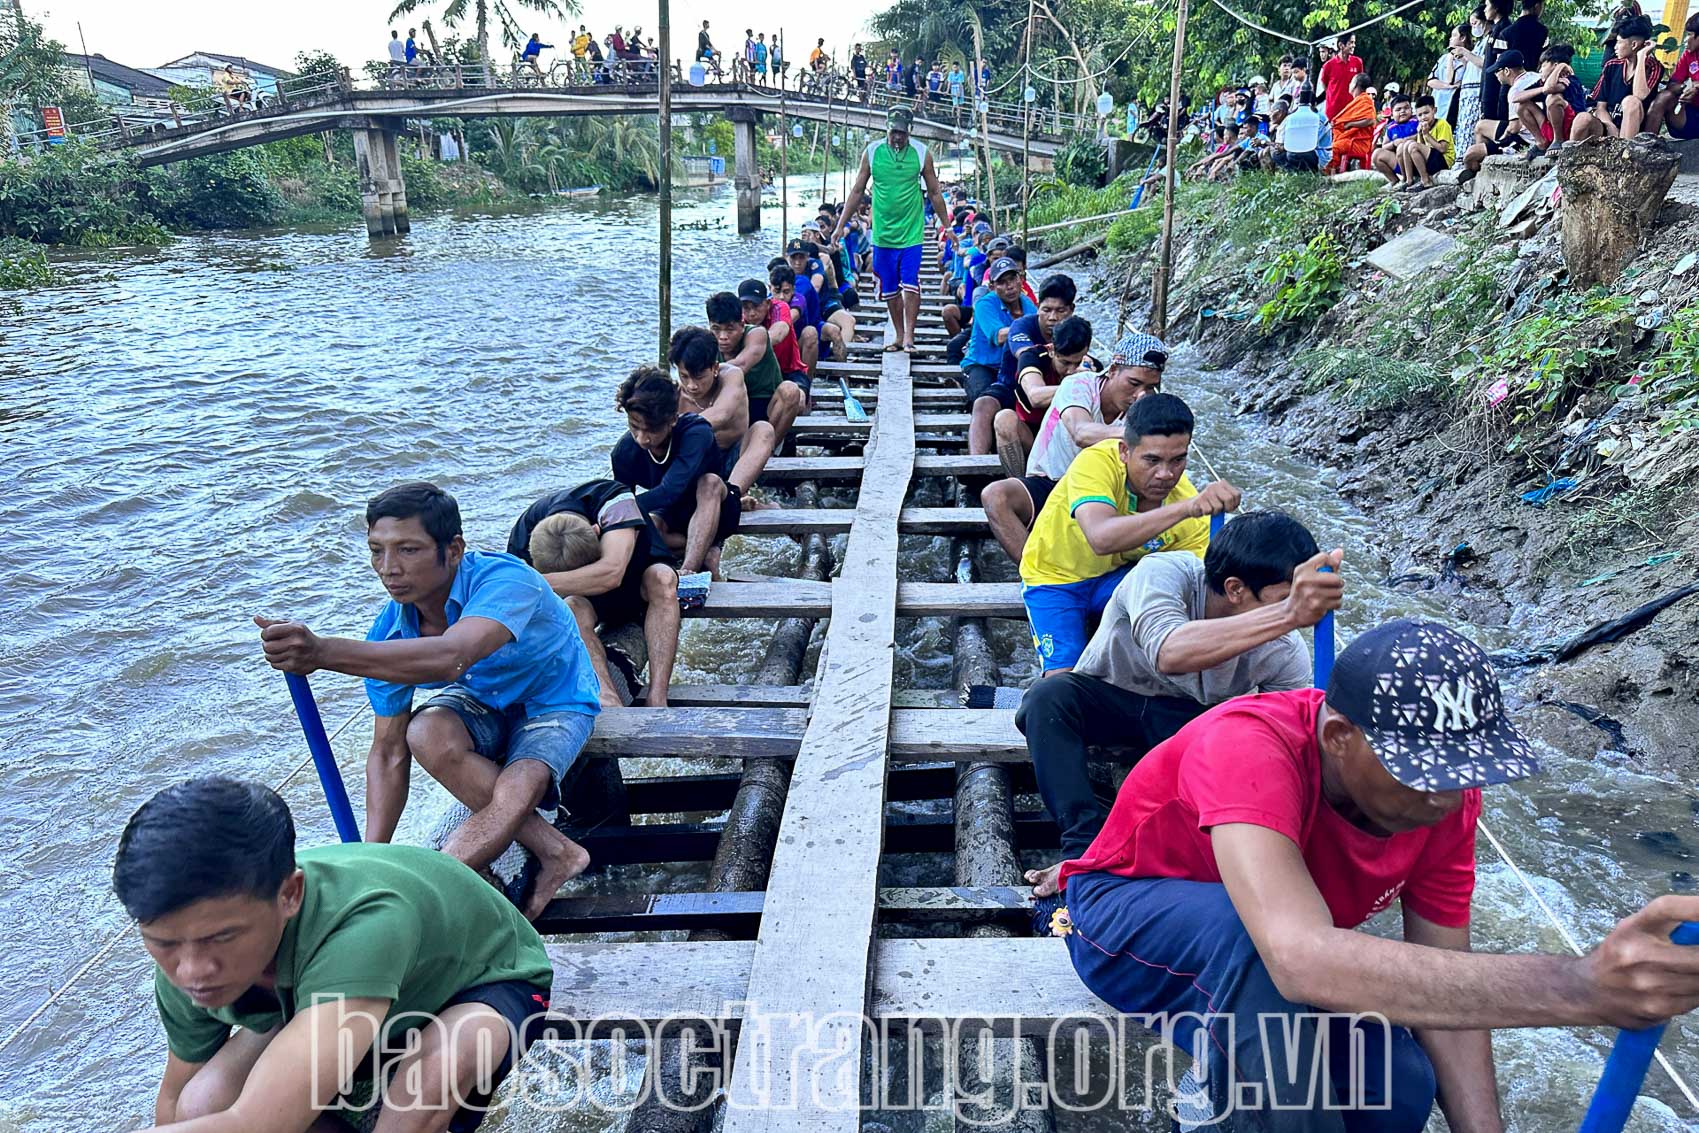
(594, 547)
(517, 697)
(278, 975)
(1178, 636)
(903, 178)
(1221, 900)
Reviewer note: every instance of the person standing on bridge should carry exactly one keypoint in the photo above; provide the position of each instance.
(901, 170)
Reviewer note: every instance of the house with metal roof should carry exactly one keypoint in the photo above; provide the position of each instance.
(115, 84)
(196, 70)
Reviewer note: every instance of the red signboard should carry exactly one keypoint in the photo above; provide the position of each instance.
(55, 121)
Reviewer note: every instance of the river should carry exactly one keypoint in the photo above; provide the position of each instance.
(189, 437)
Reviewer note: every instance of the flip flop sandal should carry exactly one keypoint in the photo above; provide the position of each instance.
(893, 348)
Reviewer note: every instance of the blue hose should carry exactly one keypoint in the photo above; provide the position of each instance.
(1626, 1067)
(330, 776)
(1324, 646)
(1138, 193)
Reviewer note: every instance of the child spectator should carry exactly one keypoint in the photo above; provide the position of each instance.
(1550, 111)
(1429, 151)
(1399, 130)
(1626, 85)
(1678, 106)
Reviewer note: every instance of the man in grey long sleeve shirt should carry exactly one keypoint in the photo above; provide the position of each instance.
(1177, 637)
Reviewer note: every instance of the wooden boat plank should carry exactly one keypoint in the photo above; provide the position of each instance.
(979, 734)
(1027, 982)
(836, 521)
(797, 598)
(850, 467)
(813, 958)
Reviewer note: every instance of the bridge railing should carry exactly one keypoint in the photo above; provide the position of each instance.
(132, 122)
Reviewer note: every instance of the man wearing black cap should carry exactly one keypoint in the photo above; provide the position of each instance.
(1496, 137)
(897, 165)
(1222, 894)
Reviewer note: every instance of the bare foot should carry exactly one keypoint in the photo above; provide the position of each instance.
(1044, 880)
(555, 872)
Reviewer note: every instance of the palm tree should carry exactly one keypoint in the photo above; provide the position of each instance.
(455, 12)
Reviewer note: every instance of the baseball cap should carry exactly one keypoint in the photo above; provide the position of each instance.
(796, 247)
(899, 118)
(1258, 81)
(1511, 58)
(1427, 699)
(1139, 349)
(752, 291)
(981, 226)
(1392, 87)
(1002, 266)
(998, 244)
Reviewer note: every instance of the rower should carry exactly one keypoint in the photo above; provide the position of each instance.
(1119, 501)
(1086, 409)
(995, 311)
(837, 326)
(677, 468)
(1034, 365)
(280, 975)
(1177, 636)
(795, 308)
(773, 397)
(1246, 850)
(716, 392)
(594, 547)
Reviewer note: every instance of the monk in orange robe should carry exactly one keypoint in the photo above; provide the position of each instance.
(1354, 127)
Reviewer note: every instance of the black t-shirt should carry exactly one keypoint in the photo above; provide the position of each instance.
(1527, 35)
(668, 487)
(1495, 99)
(858, 64)
(704, 45)
(611, 506)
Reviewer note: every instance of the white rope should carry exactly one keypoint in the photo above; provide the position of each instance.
(1329, 37)
(1574, 946)
(111, 942)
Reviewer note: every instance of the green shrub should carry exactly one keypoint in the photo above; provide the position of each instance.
(1307, 282)
(228, 190)
(72, 194)
(1082, 161)
(23, 264)
(1374, 378)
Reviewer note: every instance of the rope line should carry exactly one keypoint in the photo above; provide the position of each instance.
(111, 942)
(1250, 23)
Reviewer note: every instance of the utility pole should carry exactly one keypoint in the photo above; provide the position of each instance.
(664, 73)
(784, 162)
(1176, 123)
(1026, 124)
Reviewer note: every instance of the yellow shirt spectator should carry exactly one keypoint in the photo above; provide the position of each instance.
(1057, 551)
(580, 45)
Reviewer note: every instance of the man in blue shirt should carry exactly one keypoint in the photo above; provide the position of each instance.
(518, 698)
(994, 311)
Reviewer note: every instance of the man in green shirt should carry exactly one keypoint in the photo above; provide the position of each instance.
(279, 976)
(898, 166)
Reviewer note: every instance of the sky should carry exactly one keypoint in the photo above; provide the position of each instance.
(149, 34)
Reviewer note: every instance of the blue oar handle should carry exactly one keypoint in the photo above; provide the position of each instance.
(1626, 1067)
(1324, 644)
(1216, 523)
(330, 776)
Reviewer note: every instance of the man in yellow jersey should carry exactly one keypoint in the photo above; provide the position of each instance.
(1120, 500)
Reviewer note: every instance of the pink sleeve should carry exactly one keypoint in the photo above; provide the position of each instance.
(1242, 770)
(1442, 882)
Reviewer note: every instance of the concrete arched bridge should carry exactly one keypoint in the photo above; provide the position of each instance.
(376, 117)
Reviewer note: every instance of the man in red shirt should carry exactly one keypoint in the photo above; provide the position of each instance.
(1337, 73)
(1219, 900)
(1678, 106)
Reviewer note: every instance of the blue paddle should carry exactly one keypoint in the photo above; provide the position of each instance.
(1324, 645)
(853, 409)
(330, 776)
(1626, 1067)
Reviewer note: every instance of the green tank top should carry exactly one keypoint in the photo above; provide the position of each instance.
(899, 211)
(764, 377)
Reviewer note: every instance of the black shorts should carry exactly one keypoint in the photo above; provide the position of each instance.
(801, 380)
(523, 1005)
(1436, 161)
(1039, 488)
(981, 381)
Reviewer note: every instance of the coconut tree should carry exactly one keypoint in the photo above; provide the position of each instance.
(456, 12)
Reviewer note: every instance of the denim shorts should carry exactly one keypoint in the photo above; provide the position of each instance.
(506, 736)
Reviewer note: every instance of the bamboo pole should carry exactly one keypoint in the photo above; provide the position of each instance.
(665, 74)
(1026, 125)
(826, 165)
(1165, 256)
(784, 163)
(982, 98)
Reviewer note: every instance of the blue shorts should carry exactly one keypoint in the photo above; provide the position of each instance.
(1061, 614)
(898, 269)
(506, 736)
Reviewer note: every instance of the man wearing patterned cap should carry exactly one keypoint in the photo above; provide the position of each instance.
(1219, 901)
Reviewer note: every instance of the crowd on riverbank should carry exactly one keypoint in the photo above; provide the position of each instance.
(1502, 85)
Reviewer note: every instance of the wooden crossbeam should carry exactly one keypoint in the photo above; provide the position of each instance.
(916, 734)
(850, 467)
(870, 370)
(835, 423)
(739, 912)
(795, 598)
(790, 696)
(836, 521)
(1027, 982)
